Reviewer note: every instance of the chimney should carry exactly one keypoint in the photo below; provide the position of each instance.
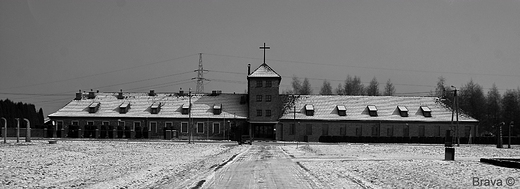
(248, 69)
(152, 93)
(91, 94)
(120, 95)
(78, 95)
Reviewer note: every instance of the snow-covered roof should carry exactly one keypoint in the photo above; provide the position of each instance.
(264, 71)
(141, 104)
(357, 108)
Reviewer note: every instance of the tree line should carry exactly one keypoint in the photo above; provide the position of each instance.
(352, 86)
(492, 109)
(11, 110)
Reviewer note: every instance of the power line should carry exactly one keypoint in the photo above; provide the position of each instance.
(102, 73)
(367, 67)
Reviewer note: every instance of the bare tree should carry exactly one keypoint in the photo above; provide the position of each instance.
(306, 87)
(326, 88)
(373, 88)
(389, 89)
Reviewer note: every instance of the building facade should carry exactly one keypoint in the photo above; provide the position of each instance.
(262, 113)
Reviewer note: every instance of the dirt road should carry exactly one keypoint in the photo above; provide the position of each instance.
(262, 166)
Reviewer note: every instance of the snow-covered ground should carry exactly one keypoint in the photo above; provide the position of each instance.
(165, 164)
(106, 164)
(406, 165)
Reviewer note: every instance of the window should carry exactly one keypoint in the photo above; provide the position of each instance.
(155, 108)
(268, 98)
(185, 109)
(437, 131)
(343, 130)
(93, 108)
(200, 127)
(259, 98)
(427, 112)
(258, 112)
(259, 83)
(121, 123)
(421, 130)
(268, 83)
(325, 130)
(375, 130)
(358, 131)
(59, 125)
(308, 129)
(105, 123)
(292, 129)
(467, 131)
(372, 110)
(216, 128)
(342, 110)
(123, 108)
(390, 131)
(403, 111)
(267, 113)
(153, 126)
(406, 131)
(309, 110)
(136, 124)
(75, 123)
(184, 127)
(168, 125)
(217, 109)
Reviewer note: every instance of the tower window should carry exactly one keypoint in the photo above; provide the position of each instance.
(268, 98)
(258, 112)
(268, 83)
(259, 98)
(259, 83)
(267, 113)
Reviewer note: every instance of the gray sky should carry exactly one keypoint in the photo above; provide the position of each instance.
(54, 48)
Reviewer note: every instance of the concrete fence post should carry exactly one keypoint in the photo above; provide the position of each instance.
(28, 134)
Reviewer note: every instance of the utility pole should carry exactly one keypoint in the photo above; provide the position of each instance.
(456, 102)
(189, 117)
(200, 77)
(510, 128)
(5, 129)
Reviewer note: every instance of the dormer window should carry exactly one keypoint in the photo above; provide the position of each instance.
(217, 109)
(93, 108)
(342, 110)
(309, 110)
(123, 108)
(372, 110)
(185, 109)
(403, 111)
(427, 112)
(155, 108)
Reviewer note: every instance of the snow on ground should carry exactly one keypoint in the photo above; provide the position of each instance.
(106, 164)
(405, 165)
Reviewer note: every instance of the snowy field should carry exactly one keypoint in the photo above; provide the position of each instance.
(106, 164)
(406, 165)
(162, 164)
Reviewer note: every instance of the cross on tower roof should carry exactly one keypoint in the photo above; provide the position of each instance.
(265, 48)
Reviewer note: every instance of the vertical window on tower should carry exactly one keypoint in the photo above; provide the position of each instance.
(267, 113)
(258, 112)
(259, 83)
(268, 98)
(259, 98)
(268, 83)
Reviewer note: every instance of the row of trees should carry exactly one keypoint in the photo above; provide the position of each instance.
(352, 86)
(11, 110)
(490, 109)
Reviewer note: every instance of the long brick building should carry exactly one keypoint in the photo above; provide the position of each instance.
(262, 113)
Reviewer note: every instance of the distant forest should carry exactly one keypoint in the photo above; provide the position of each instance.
(11, 110)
